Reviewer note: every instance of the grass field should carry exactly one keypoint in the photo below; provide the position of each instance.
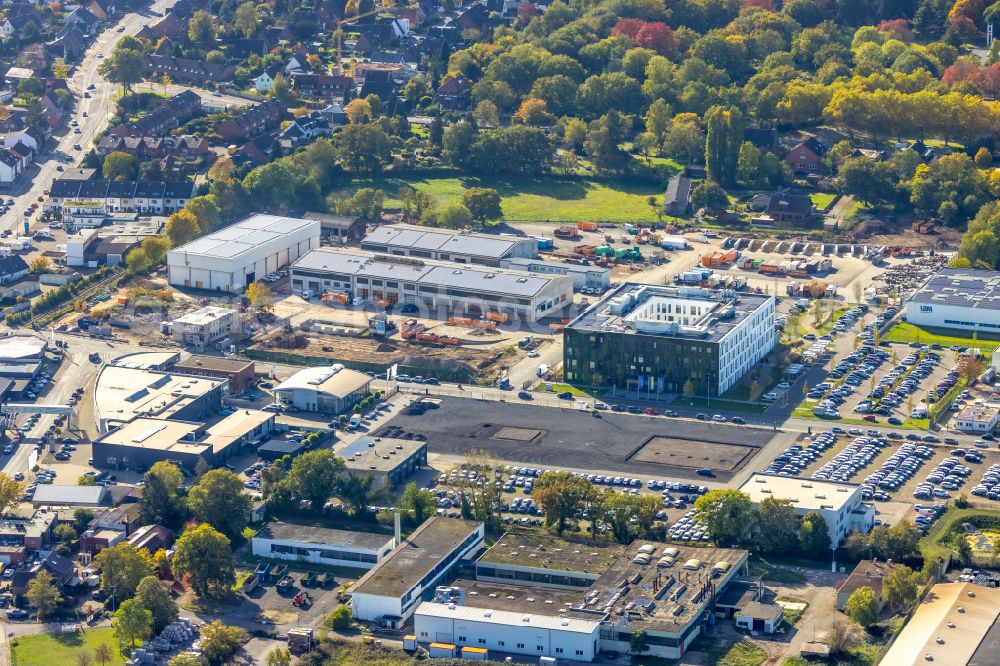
(822, 200)
(46, 649)
(904, 332)
(544, 199)
(743, 654)
(935, 543)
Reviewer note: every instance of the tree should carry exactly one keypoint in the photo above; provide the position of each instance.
(355, 490)
(278, 657)
(259, 295)
(122, 567)
(897, 543)
(862, 607)
(658, 119)
(483, 204)
(364, 147)
(625, 515)
(245, 19)
(206, 210)
(125, 66)
(161, 502)
(603, 143)
(870, 181)
(457, 141)
(201, 28)
(203, 556)
(132, 622)
(722, 144)
(900, 587)
(81, 520)
(182, 227)
(271, 186)
(486, 114)
(186, 659)
(64, 533)
(155, 598)
(638, 643)
(220, 642)
(452, 216)
(119, 165)
(416, 504)
(43, 594)
(709, 195)
(313, 475)
(841, 637)
(358, 111)
(103, 654)
(562, 495)
(341, 618)
(84, 658)
(60, 70)
(281, 89)
(533, 111)
(729, 516)
(814, 537)
(779, 526)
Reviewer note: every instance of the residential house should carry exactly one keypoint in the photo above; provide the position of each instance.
(252, 121)
(12, 269)
(10, 166)
(170, 26)
(305, 129)
(335, 115)
(144, 197)
(255, 152)
(868, 573)
(874, 154)
(151, 148)
(677, 199)
(82, 20)
(108, 528)
(455, 92)
(15, 75)
(102, 9)
(763, 138)
(152, 538)
(322, 86)
(265, 81)
(70, 44)
(789, 209)
(185, 70)
(381, 84)
(807, 156)
(169, 115)
(61, 569)
(19, 14)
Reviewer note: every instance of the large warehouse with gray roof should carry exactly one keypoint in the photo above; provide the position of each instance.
(460, 247)
(433, 284)
(958, 298)
(233, 257)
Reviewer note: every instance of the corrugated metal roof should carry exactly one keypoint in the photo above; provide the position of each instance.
(507, 618)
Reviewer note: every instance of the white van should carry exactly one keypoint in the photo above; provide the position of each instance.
(355, 422)
(770, 397)
(308, 293)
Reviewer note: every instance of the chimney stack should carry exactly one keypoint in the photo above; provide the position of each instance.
(397, 539)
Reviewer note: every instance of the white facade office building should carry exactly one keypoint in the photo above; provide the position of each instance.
(321, 545)
(840, 504)
(235, 256)
(958, 298)
(542, 634)
(583, 276)
(435, 285)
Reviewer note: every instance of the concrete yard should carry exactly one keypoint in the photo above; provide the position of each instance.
(522, 433)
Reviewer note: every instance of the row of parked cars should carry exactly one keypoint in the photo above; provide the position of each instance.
(687, 528)
(794, 460)
(856, 456)
(898, 468)
(989, 485)
(949, 474)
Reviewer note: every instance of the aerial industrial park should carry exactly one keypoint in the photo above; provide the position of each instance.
(558, 333)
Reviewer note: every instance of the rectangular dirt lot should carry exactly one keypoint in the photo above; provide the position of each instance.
(551, 437)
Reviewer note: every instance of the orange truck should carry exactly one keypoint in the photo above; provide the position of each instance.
(586, 226)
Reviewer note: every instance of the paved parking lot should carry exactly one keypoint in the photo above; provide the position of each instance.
(567, 438)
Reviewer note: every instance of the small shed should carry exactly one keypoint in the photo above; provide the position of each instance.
(757, 616)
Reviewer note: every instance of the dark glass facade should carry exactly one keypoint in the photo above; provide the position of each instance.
(635, 362)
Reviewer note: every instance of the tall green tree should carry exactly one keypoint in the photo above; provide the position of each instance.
(245, 19)
(415, 504)
(627, 516)
(218, 499)
(220, 642)
(862, 607)
(119, 165)
(562, 495)
(483, 203)
(154, 597)
(203, 557)
(729, 516)
(779, 526)
(162, 502)
(132, 622)
(122, 567)
(43, 594)
(814, 536)
(722, 144)
(313, 476)
(900, 587)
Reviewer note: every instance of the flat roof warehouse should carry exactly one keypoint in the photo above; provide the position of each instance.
(423, 272)
(482, 245)
(245, 237)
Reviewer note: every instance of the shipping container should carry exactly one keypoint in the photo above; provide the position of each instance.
(586, 226)
(674, 243)
(499, 317)
(439, 650)
(475, 653)
(410, 643)
(544, 243)
(566, 232)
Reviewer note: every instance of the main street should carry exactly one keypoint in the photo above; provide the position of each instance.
(98, 108)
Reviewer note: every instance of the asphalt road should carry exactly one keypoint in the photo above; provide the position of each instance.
(98, 107)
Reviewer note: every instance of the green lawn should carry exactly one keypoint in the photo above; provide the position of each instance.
(555, 387)
(46, 649)
(743, 654)
(776, 573)
(536, 199)
(904, 332)
(822, 200)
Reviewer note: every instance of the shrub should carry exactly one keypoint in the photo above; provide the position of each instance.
(341, 618)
